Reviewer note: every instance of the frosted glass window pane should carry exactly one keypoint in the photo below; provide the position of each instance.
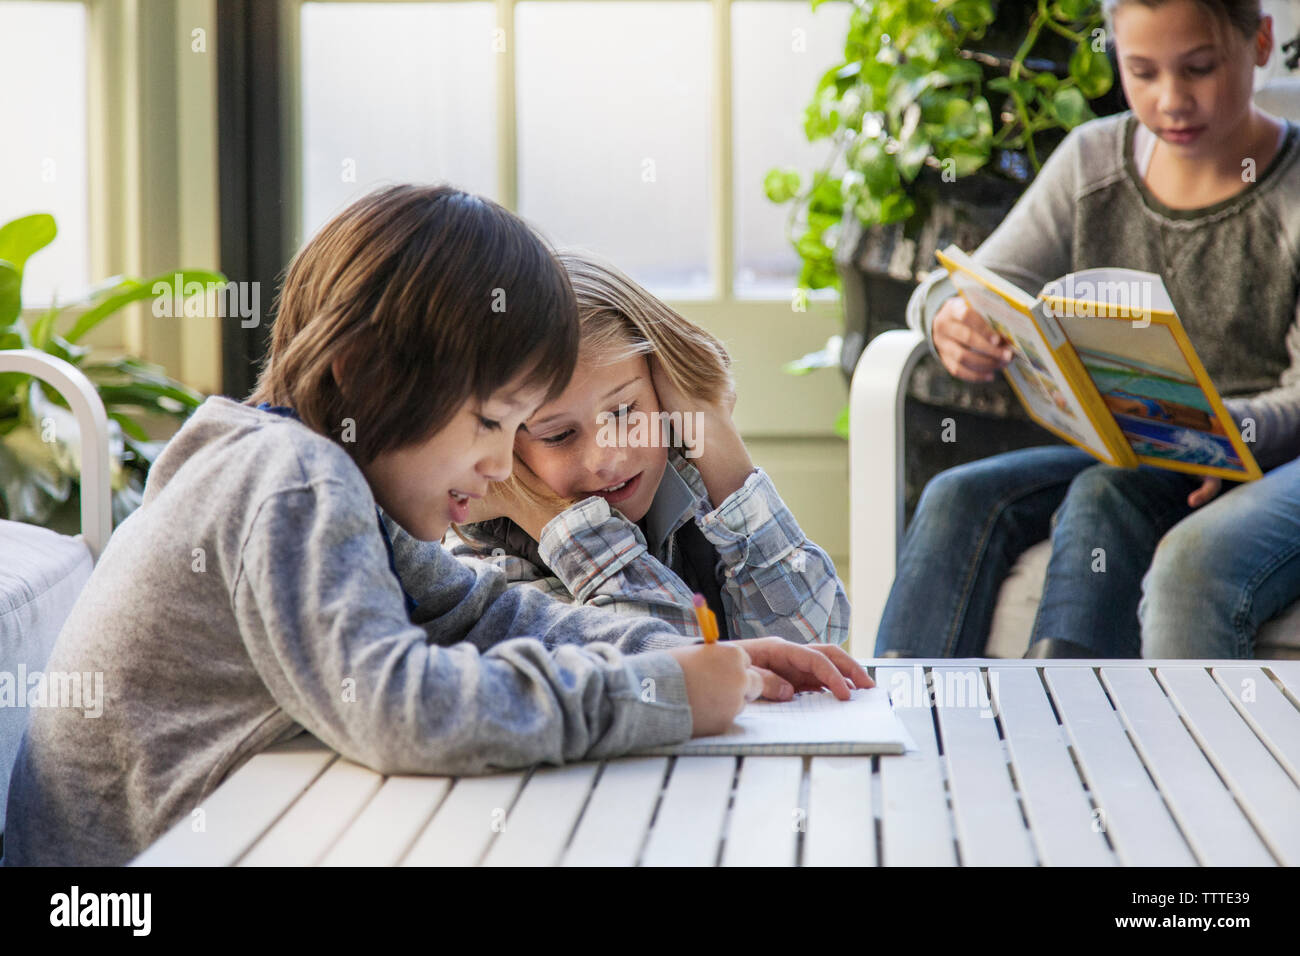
(614, 134)
(395, 92)
(779, 51)
(43, 164)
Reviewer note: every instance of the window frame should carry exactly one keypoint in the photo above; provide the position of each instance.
(762, 332)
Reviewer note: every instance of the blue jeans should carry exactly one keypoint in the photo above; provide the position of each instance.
(1220, 574)
(975, 520)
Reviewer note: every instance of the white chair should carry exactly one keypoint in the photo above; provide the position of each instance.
(876, 456)
(42, 572)
(876, 487)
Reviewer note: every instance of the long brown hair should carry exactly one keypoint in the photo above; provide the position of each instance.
(430, 296)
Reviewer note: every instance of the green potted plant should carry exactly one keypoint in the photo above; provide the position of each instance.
(39, 464)
(938, 117)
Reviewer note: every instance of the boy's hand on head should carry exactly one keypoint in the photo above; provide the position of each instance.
(673, 399)
(719, 682)
(804, 667)
(967, 345)
(715, 445)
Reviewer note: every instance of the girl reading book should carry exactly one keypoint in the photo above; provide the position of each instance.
(1196, 184)
(634, 489)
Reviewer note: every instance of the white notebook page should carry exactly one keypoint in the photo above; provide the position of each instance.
(813, 722)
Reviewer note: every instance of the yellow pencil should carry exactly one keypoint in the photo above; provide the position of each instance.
(708, 621)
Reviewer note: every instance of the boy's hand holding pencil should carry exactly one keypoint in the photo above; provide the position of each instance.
(722, 678)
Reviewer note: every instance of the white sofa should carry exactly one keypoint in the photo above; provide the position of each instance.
(876, 488)
(42, 572)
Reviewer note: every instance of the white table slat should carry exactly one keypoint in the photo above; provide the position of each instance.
(1288, 672)
(841, 825)
(1269, 797)
(1060, 815)
(243, 807)
(766, 817)
(1209, 817)
(917, 827)
(688, 825)
(390, 822)
(316, 820)
(543, 817)
(1270, 714)
(614, 825)
(990, 828)
(475, 812)
(1133, 813)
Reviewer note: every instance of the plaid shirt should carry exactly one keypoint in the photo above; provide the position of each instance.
(774, 580)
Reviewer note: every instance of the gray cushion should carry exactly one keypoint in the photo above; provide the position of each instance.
(1013, 618)
(41, 574)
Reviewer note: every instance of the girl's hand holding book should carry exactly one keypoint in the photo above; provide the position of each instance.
(967, 345)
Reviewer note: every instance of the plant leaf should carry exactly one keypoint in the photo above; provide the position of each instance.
(828, 356)
(1069, 106)
(781, 185)
(842, 423)
(1090, 70)
(23, 236)
(11, 293)
(134, 290)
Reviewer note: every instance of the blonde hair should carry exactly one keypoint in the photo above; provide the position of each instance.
(619, 319)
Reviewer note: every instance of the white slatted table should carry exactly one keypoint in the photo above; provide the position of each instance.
(1135, 763)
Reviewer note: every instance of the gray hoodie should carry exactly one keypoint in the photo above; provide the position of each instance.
(1232, 269)
(251, 597)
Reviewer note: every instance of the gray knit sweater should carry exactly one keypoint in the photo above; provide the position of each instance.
(251, 597)
(1232, 269)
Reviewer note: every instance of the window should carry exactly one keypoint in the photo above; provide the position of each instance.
(395, 92)
(43, 164)
(779, 52)
(597, 121)
(614, 113)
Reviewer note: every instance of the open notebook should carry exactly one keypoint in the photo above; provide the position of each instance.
(811, 723)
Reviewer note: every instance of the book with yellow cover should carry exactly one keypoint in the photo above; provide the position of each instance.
(1102, 360)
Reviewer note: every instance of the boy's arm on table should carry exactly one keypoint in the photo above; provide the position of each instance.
(775, 581)
(1032, 246)
(460, 600)
(1275, 411)
(501, 554)
(624, 578)
(324, 622)
(602, 560)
